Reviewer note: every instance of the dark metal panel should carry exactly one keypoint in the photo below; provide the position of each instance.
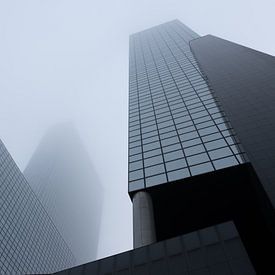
(243, 80)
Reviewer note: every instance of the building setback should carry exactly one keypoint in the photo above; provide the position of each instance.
(63, 178)
(29, 240)
(200, 138)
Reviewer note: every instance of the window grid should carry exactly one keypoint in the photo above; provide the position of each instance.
(206, 109)
(30, 242)
(173, 114)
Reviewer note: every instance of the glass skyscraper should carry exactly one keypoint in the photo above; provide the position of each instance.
(30, 243)
(176, 126)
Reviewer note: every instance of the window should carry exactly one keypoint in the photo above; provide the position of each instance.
(153, 160)
(167, 129)
(171, 148)
(178, 174)
(225, 162)
(220, 153)
(131, 139)
(208, 131)
(136, 185)
(135, 165)
(182, 119)
(175, 164)
(205, 124)
(215, 144)
(154, 170)
(168, 135)
(212, 137)
(169, 141)
(173, 155)
(150, 139)
(149, 134)
(155, 180)
(151, 146)
(201, 168)
(135, 150)
(191, 142)
(186, 130)
(135, 157)
(197, 159)
(184, 124)
(165, 124)
(194, 150)
(202, 119)
(188, 136)
(152, 153)
(134, 133)
(199, 114)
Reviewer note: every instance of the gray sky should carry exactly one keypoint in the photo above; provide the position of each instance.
(68, 59)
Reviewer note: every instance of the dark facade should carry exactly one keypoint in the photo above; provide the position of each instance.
(243, 79)
(215, 250)
(197, 162)
(63, 177)
(30, 243)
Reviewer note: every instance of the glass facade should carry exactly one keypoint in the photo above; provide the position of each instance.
(177, 128)
(29, 241)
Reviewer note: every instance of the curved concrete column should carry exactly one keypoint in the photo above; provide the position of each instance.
(143, 220)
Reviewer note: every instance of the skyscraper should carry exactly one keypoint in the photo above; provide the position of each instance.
(176, 127)
(200, 122)
(63, 178)
(30, 243)
(187, 166)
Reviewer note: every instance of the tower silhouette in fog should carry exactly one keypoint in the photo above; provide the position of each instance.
(63, 177)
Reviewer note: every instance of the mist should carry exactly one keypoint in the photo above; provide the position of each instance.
(68, 60)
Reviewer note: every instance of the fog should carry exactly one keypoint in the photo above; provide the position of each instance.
(68, 60)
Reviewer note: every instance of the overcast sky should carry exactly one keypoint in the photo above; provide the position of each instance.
(68, 59)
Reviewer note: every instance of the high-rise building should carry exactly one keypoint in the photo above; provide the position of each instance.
(63, 178)
(201, 157)
(30, 243)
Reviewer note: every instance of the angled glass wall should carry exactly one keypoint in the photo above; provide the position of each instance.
(29, 241)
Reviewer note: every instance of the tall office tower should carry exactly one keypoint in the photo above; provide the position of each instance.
(62, 176)
(29, 241)
(187, 163)
(201, 157)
